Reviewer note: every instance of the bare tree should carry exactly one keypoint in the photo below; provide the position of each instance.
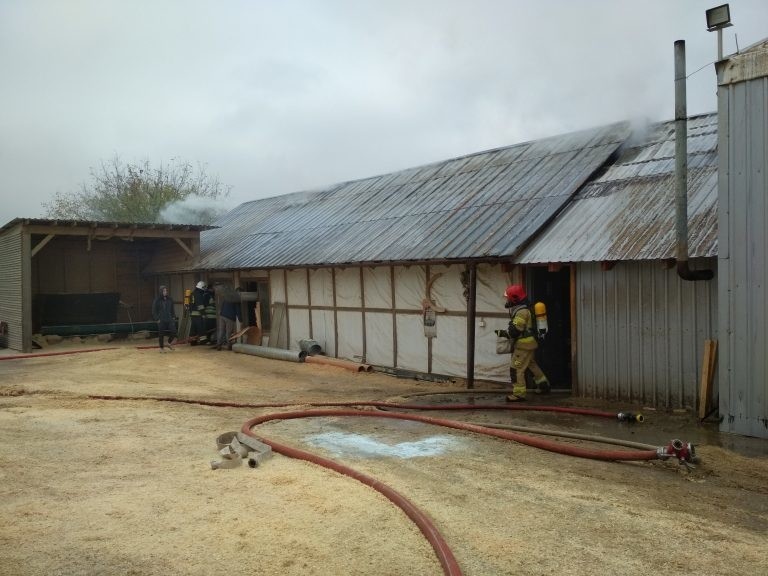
(120, 192)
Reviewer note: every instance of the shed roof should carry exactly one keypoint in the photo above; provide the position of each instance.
(84, 227)
(628, 212)
(480, 206)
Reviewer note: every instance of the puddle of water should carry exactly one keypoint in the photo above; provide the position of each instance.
(345, 444)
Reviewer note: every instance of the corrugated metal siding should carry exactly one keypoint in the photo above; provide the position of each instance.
(11, 307)
(641, 332)
(743, 108)
(628, 212)
(484, 205)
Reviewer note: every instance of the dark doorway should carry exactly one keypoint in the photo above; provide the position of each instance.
(554, 354)
(260, 287)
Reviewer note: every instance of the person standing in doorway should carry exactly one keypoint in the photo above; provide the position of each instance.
(230, 313)
(209, 314)
(523, 336)
(197, 302)
(164, 314)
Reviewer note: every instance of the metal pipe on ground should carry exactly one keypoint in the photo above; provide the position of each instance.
(267, 352)
(311, 347)
(346, 364)
(564, 434)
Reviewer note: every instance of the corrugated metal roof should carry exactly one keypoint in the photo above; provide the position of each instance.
(484, 205)
(628, 212)
(103, 224)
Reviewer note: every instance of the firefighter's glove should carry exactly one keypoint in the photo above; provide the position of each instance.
(501, 333)
(513, 332)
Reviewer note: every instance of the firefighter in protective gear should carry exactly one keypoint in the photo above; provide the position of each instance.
(197, 303)
(523, 335)
(209, 313)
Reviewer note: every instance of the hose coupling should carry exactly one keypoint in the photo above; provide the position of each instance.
(683, 451)
(630, 417)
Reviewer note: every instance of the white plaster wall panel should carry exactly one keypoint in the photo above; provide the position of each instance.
(298, 327)
(447, 290)
(378, 287)
(348, 293)
(410, 284)
(322, 331)
(491, 283)
(297, 287)
(350, 335)
(449, 353)
(488, 364)
(411, 343)
(276, 286)
(378, 329)
(321, 287)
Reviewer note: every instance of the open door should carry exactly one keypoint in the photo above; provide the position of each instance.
(554, 354)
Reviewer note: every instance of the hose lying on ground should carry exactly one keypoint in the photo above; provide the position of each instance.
(684, 452)
(445, 556)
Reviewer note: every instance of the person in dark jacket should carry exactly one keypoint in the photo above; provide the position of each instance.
(230, 312)
(198, 302)
(163, 313)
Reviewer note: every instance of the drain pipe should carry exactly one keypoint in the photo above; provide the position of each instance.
(681, 170)
(471, 306)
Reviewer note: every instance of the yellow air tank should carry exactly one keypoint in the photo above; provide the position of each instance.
(540, 310)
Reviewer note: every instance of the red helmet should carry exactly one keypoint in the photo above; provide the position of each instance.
(515, 293)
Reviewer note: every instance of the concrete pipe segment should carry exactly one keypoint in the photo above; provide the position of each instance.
(311, 347)
(274, 353)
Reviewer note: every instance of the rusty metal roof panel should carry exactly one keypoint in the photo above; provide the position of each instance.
(628, 211)
(483, 205)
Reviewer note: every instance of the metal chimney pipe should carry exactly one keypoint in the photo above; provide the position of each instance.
(681, 170)
(471, 314)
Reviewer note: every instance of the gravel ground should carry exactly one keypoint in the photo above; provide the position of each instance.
(109, 487)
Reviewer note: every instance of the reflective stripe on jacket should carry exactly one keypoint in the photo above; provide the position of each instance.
(522, 320)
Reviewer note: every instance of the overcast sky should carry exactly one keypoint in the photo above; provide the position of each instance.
(280, 96)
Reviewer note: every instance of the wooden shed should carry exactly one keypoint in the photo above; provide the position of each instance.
(74, 273)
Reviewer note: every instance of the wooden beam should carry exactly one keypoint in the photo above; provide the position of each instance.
(707, 374)
(109, 232)
(574, 332)
(186, 248)
(39, 246)
(554, 267)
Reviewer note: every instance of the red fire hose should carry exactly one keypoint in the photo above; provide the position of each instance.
(683, 451)
(445, 556)
(43, 354)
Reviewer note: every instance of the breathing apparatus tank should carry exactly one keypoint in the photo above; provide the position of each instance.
(540, 310)
(187, 297)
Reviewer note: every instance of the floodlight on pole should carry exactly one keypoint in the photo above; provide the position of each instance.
(718, 18)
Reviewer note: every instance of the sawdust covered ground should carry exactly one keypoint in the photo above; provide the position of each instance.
(108, 487)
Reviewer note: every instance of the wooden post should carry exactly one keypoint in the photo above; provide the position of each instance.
(707, 373)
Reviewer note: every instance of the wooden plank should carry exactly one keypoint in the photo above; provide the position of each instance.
(253, 336)
(278, 313)
(707, 374)
(239, 333)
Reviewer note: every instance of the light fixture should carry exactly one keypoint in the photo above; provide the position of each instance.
(718, 17)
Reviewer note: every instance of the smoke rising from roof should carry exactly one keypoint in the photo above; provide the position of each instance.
(193, 210)
(277, 97)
